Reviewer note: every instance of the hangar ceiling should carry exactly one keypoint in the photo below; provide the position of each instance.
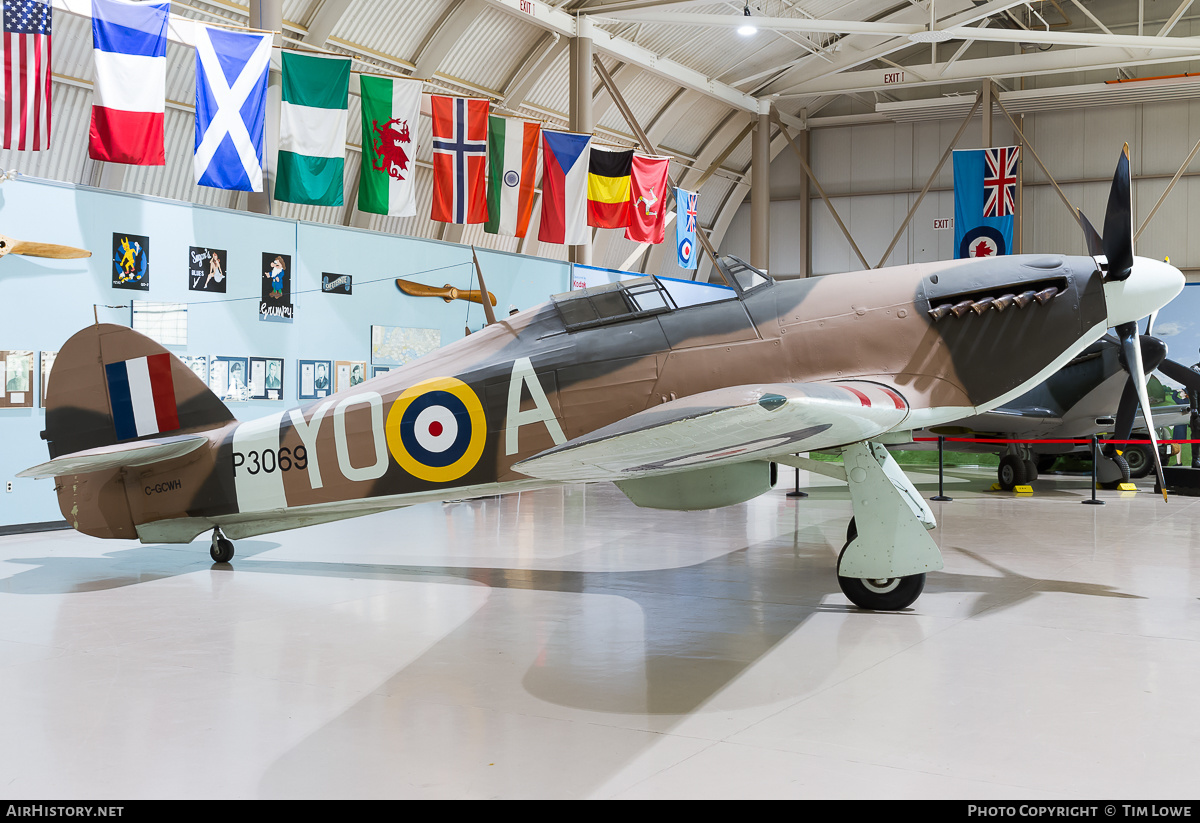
(691, 79)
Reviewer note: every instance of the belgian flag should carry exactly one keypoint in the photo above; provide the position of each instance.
(608, 188)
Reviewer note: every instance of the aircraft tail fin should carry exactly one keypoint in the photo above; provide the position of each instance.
(111, 385)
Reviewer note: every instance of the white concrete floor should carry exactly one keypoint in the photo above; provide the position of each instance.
(566, 644)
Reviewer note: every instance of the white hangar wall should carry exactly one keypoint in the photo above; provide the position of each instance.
(873, 174)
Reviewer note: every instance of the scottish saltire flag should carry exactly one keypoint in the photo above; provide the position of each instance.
(25, 54)
(566, 158)
(985, 196)
(141, 394)
(231, 108)
(460, 131)
(685, 228)
(129, 92)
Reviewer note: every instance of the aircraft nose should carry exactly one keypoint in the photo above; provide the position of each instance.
(1150, 286)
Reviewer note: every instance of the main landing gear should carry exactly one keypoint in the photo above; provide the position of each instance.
(222, 547)
(879, 594)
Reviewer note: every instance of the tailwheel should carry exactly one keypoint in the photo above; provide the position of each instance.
(222, 548)
(886, 595)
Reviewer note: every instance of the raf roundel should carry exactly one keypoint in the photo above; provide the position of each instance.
(436, 430)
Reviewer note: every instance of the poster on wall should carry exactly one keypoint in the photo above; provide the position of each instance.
(350, 373)
(378, 370)
(47, 365)
(16, 377)
(395, 345)
(276, 303)
(131, 261)
(198, 363)
(337, 283)
(266, 378)
(315, 379)
(227, 379)
(206, 269)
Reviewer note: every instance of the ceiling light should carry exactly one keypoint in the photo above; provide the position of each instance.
(930, 36)
(748, 28)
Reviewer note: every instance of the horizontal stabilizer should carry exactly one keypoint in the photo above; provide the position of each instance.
(725, 426)
(125, 455)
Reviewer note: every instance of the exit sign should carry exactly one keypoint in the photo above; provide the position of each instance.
(893, 77)
(940, 223)
(527, 6)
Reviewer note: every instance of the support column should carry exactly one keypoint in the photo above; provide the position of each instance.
(580, 116)
(805, 255)
(760, 190)
(987, 114)
(268, 14)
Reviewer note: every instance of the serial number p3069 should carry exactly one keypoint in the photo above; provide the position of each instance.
(270, 460)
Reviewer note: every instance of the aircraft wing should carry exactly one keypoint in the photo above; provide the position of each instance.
(1013, 421)
(127, 455)
(727, 425)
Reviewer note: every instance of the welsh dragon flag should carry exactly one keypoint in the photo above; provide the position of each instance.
(391, 111)
(312, 129)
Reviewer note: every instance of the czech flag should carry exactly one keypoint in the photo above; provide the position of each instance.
(565, 164)
(141, 394)
(129, 43)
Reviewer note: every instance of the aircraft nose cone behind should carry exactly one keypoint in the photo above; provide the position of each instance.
(1150, 286)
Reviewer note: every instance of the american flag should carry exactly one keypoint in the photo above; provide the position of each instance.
(1000, 181)
(26, 58)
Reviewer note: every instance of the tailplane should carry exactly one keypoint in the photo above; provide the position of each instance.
(111, 385)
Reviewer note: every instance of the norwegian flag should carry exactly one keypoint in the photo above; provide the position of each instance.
(1000, 181)
(460, 127)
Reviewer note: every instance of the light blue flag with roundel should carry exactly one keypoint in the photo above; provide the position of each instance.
(231, 108)
(685, 229)
(985, 196)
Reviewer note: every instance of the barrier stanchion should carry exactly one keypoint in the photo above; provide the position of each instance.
(1095, 460)
(796, 492)
(941, 495)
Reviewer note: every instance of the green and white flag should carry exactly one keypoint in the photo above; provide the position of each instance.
(312, 129)
(391, 111)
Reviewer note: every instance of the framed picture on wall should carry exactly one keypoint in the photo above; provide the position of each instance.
(198, 363)
(206, 269)
(349, 373)
(337, 283)
(316, 379)
(131, 261)
(227, 379)
(47, 365)
(16, 378)
(396, 345)
(266, 378)
(164, 323)
(378, 370)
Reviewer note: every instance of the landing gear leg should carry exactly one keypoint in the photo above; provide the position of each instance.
(222, 547)
(888, 548)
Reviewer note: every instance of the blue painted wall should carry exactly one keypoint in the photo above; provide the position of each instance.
(43, 302)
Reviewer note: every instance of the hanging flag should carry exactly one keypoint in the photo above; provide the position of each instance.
(985, 196)
(459, 159)
(129, 92)
(391, 112)
(25, 52)
(231, 108)
(647, 189)
(512, 167)
(685, 228)
(312, 129)
(608, 188)
(565, 163)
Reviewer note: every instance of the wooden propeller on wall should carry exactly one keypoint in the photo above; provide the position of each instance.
(446, 292)
(9, 245)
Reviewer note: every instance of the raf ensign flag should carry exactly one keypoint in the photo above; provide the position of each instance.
(391, 112)
(231, 108)
(460, 129)
(685, 228)
(129, 92)
(985, 196)
(26, 89)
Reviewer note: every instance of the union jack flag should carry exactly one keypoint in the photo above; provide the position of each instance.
(1000, 181)
(690, 211)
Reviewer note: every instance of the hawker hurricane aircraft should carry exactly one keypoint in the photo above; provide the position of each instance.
(683, 394)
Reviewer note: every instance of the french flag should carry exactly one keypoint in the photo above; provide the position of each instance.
(566, 158)
(130, 86)
(141, 394)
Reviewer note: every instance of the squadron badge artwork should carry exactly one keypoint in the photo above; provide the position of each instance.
(206, 269)
(276, 303)
(131, 262)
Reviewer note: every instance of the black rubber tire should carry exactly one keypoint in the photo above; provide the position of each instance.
(888, 595)
(851, 533)
(1123, 465)
(1139, 458)
(1011, 472)
(221, 550)
(1045, 462)
(1031, 472)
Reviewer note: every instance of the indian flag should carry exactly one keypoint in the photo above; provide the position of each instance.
(312, 129)
(391, 111)
(512, 167)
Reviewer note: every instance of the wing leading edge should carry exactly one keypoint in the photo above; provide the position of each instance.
(727, 425)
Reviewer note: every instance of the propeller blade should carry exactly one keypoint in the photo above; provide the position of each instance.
(31, 249)
(1181, 374)
(1150, 322)
(1095, 245)
(1131, 346)
(1118, 222)
(446, 292)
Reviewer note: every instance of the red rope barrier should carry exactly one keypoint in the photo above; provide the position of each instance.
(1083, 441)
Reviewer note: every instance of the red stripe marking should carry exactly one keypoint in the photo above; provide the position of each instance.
(8, 113)
(897, 399)
(163, 389)
(24, 81)
(866, 401)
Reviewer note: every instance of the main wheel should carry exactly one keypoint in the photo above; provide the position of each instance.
(222, 550)
(1031, 471)
(1011, 472)
(1123, 465)
(1140, 459)
(886, 595)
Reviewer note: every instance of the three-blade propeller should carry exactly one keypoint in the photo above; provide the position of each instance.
(9, 245)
